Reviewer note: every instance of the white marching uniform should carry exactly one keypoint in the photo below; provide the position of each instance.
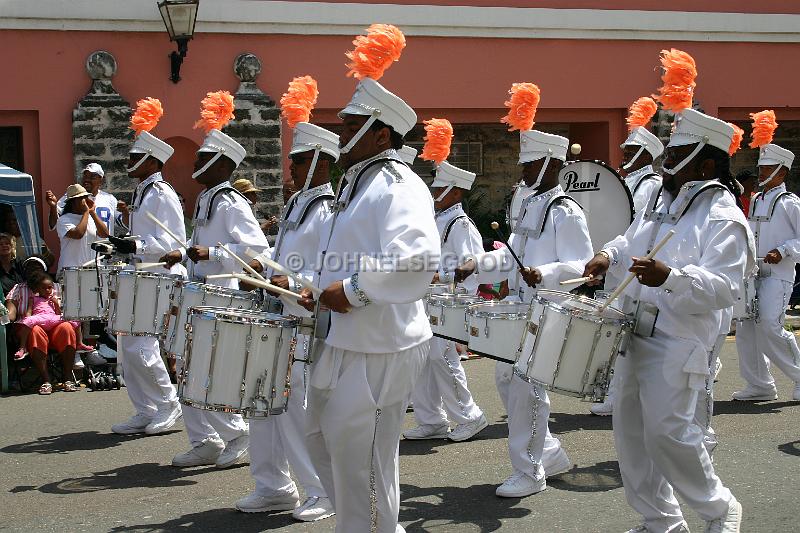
(442, 391)
(705, 399)
(551, 235)
(363, 375)
(660, 447)
(223, 215)
(146, 377)
(278, 442)
(775, 221)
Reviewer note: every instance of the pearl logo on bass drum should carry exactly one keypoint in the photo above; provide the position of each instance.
(574, 183)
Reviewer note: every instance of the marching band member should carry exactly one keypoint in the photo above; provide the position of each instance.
(774, 217)
(550, 235)
(676, 303)
(280, 441)
(442, 391)
(379, 260)
(222, 215)
(146, 377)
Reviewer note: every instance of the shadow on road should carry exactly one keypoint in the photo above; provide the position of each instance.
(476, 505)
(733, 407)
(791, 448)
(566, 422)
(498, 430)
(600, 477)
(70, 442)
(217, 520)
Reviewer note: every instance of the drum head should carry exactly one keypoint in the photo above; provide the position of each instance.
(515, 205)
(603, 195)
(579, 305)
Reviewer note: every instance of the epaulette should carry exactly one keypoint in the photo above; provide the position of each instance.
(390, 167)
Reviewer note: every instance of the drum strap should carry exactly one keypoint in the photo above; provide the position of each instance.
(294, 225)
(451, 224)
(209, 211)
(138, 198)
(644, 178)
(765, 218)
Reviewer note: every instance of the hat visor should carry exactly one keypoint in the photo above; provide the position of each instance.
(352, 109)
(79, 195)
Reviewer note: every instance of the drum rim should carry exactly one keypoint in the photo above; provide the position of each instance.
(239, 316)
(88, 268)
(145, 274)
(442, 299)
(622, 320)
(472, 310)
(246, 295)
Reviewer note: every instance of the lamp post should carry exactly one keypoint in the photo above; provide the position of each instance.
(179, 17)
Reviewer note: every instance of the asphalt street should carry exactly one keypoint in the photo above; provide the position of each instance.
(61, 469)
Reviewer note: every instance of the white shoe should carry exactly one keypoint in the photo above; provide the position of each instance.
(729, 522)
(164, 419)
(135, 424)
(466, 431)
(520, 485)
(234, 450)
(558, 465)
(643, 529)
(205, 453)
(277, 501)
(717, 368)
(78, 364)
(427, 431)
(313, 509)
(602, 409)
(796, 393)
(752, 394)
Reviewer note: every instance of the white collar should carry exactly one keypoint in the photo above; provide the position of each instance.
(775, 190)
(636, 174)
(546, 195)
(209, 192)
(313, 192)
(150, 179)
(455, 209)
(355, 169)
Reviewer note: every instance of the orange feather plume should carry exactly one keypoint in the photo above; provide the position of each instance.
(641, 112)
(521, 106)
(679, 76)
(148, 113)
(764, 126)
(439, 136)
(375, 51)
(298, 101)
(736, 142)
(217, 111)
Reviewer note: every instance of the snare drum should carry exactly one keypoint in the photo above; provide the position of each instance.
(496, 328)
(85, 292)
(138, 302)
(569, 348)
(448, 315)
(238, 361)
(746, 306)
(189, 294)
(439, 288)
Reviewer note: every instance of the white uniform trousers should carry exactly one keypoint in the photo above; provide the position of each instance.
(765, 337)
(278, 441)
(704, 409)
(146, 377)
(658, 444)
(441, 390)
(356, 406)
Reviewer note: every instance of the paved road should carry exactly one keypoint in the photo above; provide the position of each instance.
(62, 470)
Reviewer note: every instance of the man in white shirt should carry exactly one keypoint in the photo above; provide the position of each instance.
(105, 204)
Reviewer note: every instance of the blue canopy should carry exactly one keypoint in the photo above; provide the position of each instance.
(16, 190)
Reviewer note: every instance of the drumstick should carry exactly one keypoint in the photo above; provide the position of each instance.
(149, 265)
(165, 228)
(496, 228)
(221, 276)
(88, 263)
(277, 267)
(264, 284)
(626, 282)
(576, 280)
(247, 267)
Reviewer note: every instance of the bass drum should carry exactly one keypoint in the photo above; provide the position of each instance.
(602, 193)
(515, 205)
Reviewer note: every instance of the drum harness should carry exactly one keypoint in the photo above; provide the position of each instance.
(764, 270)
(640, 181)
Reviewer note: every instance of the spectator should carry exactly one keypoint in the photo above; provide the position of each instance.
(498, 291)
(250, 192)
(78, 227)
(749, 182)
(8, 224)
(108, 208)
(10, 266)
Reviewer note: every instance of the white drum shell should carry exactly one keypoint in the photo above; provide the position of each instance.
(138, 302)
(496, 328)
(81, 293)
(448, 315)
(746, 306)
(439, 288)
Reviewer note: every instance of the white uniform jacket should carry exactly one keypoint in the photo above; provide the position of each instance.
(460, 240)
(559, 252)
(155, 196)
(223, 215)
(708, 255)
(642, 183)
(386, 234)
(777, 230)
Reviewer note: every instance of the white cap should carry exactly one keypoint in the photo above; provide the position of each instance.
(371, 96)
(218, 142)
(535, 145)
(693, 127)
(407, 154)
(772, 154)
(641, 136)
(308, 137)
(147, 143)
(95, 168)
(447, 175)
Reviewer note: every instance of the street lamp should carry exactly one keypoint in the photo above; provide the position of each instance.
(179, 18)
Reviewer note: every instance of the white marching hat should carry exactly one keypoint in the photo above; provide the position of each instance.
(372, 99)
(449, 176)
(408, 154)
(641, 136)
(307, 136)
(693, 127)
(772, 154)
(218, 142)
(535, 145)
(147, 143)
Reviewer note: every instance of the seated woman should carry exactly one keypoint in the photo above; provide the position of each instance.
(10, 266)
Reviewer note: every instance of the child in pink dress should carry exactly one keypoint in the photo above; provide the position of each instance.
(44, 310)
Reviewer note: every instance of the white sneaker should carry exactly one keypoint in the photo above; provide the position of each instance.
(520, 485)
(277, 501)
(427, 431)
(602, 409)
(313, 509)
(558, 465)
(78, 364)
(752, 394)
(796, 393)
(205, 453)
(234, 450)
(729, 522)
(466, 431)
(135, 424)
(164, 419)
